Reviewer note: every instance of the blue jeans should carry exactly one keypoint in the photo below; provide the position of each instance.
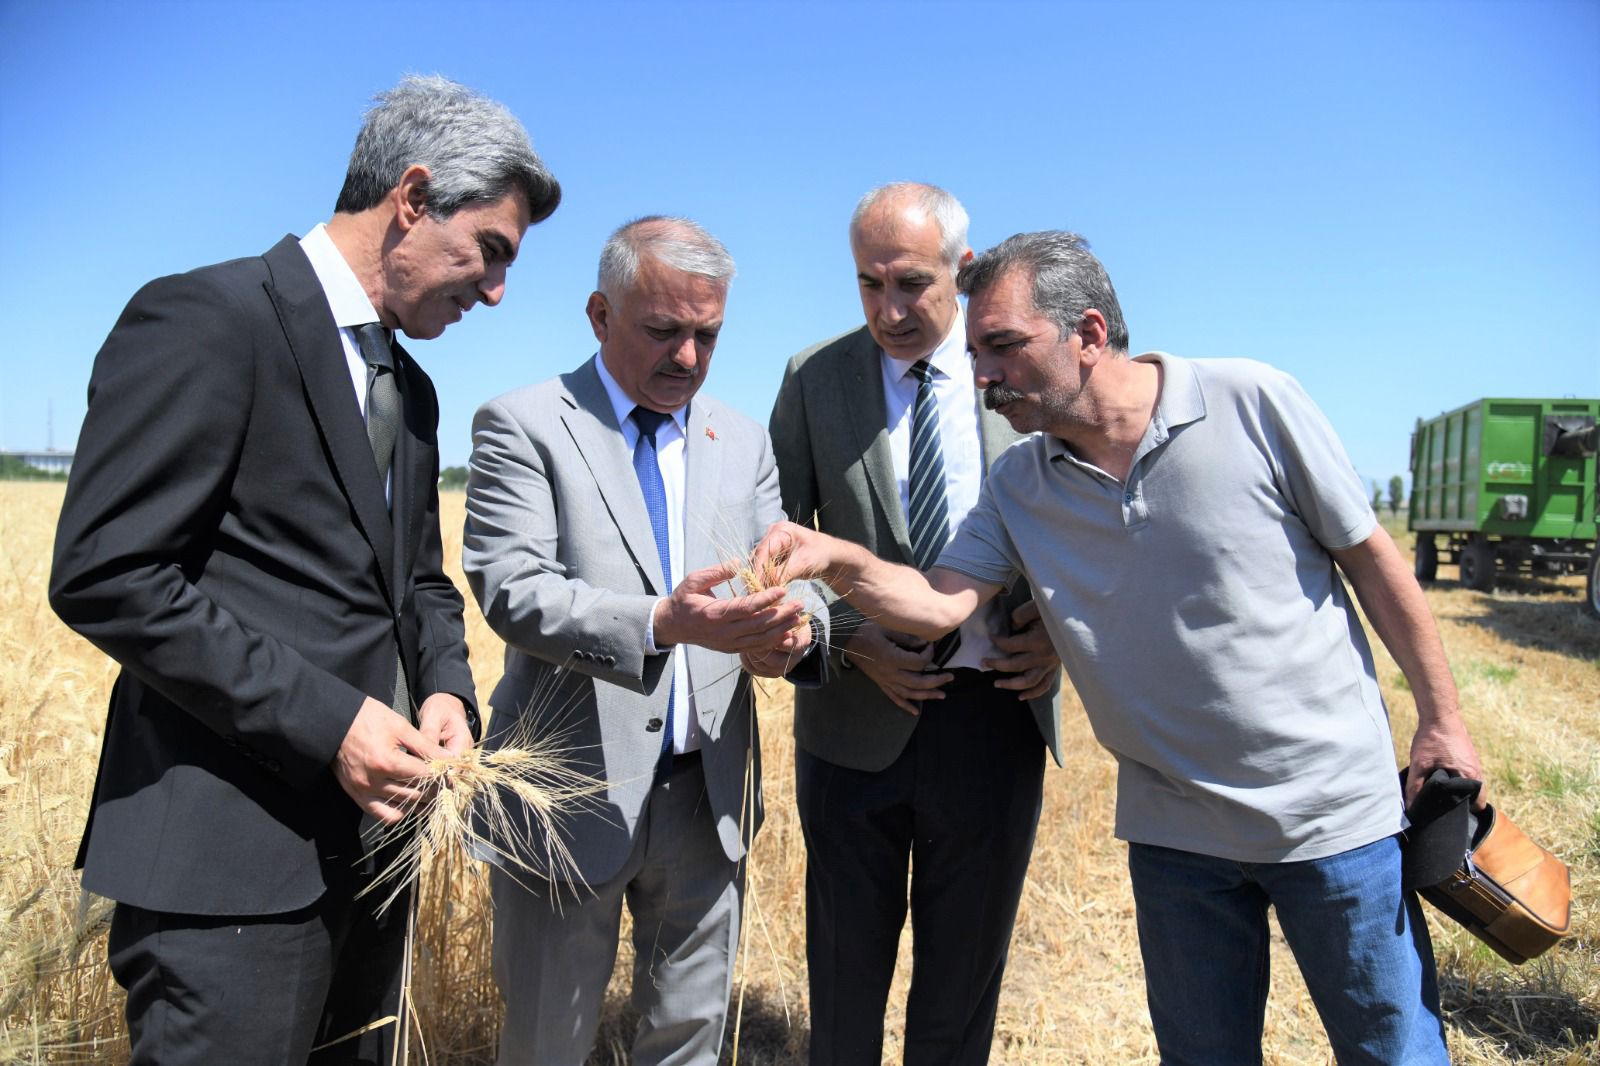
(1361, 943)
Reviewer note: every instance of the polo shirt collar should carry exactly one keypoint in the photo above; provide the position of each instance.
(1181, 400)
(1180, 403)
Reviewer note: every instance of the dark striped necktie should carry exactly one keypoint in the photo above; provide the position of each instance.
(927, 513)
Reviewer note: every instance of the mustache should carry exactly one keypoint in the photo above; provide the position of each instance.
(998, 394)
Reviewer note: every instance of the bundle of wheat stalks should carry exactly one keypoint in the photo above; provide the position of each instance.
(505, 805)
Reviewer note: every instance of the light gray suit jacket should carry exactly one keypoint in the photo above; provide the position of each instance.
(559, 551)
(828, 431)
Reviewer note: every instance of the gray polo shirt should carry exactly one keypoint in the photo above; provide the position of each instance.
(1200, 616)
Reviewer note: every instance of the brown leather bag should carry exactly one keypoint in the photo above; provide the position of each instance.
(1482, 871)
(1508, 891)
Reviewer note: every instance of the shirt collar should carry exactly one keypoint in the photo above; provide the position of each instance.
(621, 405)
(1181, 402)
(949, 358)
(346, 298)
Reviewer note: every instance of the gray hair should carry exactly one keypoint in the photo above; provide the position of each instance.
(679, 243)
(475, 151)
(1067, 280)
(935, 203)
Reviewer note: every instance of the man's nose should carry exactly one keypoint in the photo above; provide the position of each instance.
(891, 310)
(984, 372)
(687, 353)
(492, 289)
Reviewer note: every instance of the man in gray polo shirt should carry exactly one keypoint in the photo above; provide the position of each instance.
(1184, 524)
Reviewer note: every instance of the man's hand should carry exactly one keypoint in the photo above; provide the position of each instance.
(1443, 743)
(380, 760)
(442, 719)
(895, 662)
(776, 662)
(794, 552)
(759, 623)
(1030, 662)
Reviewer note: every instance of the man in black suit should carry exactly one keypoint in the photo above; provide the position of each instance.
(251, 530)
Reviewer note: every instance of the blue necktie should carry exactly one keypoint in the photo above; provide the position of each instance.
(648, 471)
(928, 516)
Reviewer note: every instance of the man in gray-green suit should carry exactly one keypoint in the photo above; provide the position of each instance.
(919, 754)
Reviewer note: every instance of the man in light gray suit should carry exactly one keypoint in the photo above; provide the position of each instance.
(601, 508)
(915, 754)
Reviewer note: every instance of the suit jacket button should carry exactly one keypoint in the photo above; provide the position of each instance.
(653, 725)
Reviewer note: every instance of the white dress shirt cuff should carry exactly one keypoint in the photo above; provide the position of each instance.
(650, 629)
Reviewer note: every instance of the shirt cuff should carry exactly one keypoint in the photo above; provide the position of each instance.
(650, 630)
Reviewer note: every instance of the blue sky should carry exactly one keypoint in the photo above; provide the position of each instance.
(1399, 203)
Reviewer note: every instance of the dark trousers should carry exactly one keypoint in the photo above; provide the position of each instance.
(262, 989)
(959, 807)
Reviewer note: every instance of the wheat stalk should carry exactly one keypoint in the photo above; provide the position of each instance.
(506, 806)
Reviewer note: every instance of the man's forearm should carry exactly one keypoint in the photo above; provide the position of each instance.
(895, 596)
(1399, 614)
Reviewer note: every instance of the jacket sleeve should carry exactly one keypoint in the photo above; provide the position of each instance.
(790, 430)
(812, 670)
(170, 400)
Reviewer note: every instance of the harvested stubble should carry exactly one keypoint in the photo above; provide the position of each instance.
(1074, 987)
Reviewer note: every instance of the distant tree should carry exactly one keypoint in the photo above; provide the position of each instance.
(453, 477)
(14, 469)
(1397, 488)
(1377, 498)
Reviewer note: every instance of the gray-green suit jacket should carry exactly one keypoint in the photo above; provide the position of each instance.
(832, 447)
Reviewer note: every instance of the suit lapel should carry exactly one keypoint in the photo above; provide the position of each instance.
(706, 539)
(592, 424)
(861, 386)
(313, 339)
(408, 475)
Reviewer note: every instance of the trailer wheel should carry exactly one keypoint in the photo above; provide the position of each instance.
(1594, 582)
(1477, 565)
(1427, 558)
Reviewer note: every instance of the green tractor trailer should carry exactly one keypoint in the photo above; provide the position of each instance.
(1507, 486)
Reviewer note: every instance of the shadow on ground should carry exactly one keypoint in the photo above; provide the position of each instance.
(1543, 616)
(1524, 1011)
(766, 1036)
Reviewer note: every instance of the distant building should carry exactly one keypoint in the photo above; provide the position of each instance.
(50, 460)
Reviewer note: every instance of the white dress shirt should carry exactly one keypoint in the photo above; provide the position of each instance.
(962, 450)
(672, 462)
(348, 301)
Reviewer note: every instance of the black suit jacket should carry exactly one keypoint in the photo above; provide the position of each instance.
(225, 538)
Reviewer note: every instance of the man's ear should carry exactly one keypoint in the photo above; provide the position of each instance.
(966, 257)
(411, 195)
(1092, 333)
(599, 312)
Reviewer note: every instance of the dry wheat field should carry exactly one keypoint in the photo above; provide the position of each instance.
(1527, 661)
